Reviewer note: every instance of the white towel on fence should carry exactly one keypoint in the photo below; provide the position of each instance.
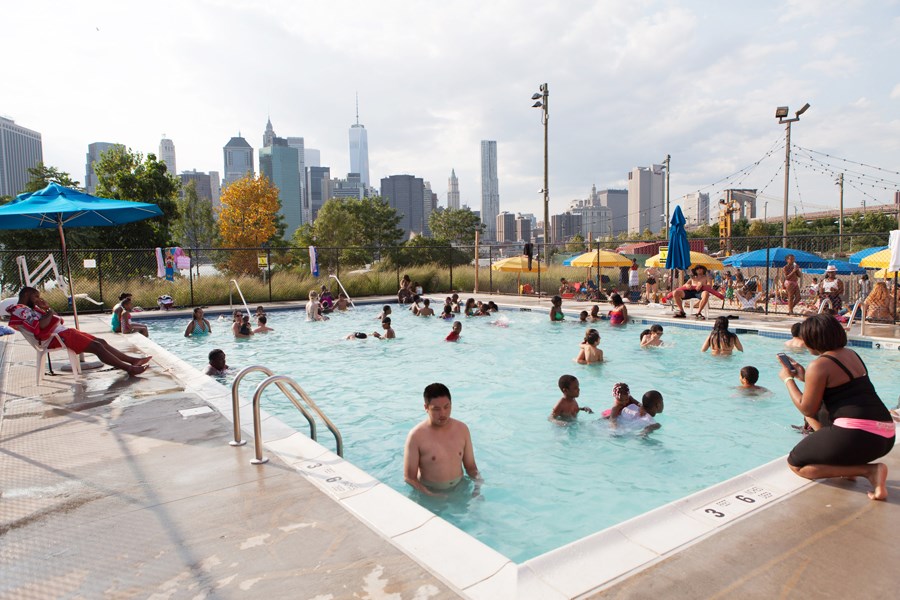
(894, 246)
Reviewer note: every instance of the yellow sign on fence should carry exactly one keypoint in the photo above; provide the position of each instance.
(663, 252)
(262, 260)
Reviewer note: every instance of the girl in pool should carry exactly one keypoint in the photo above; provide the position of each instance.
(590, 353)
(198, 325)
(651, 337)
(447, 313)
(720, 340)
(556, 313)
(619, 313)
(470, 307)
(622, 397)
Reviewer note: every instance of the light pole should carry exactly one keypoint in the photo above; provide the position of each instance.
(840, 182)
(780, 113)
(766, 212)
(668, 215)
(542, 98)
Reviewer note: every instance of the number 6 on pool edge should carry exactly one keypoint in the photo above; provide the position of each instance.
(745, 499)
(714, 513)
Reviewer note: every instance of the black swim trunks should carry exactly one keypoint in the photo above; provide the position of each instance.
(693, 294)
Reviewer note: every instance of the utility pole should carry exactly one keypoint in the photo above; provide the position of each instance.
(542, 101)
(780, 113)
(840, 182)
(668, 162)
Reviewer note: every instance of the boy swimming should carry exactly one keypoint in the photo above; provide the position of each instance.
(567, 408)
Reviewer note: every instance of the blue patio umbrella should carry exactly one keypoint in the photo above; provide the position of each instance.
(679, 253)
(58, 207)
(856, 257)
(843, 268)
(775, 257)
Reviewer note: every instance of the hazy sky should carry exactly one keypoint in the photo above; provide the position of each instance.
(630, 81)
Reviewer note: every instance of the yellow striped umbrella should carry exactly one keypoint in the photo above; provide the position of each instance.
(601, 258)
(515, 264)
(697, 259)
(884, 274)
(879, 260)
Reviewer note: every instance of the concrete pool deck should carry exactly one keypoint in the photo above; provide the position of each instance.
(109, 490)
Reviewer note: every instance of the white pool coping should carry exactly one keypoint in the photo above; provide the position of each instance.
(469, 566)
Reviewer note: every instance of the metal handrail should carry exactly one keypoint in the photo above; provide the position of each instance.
(241, 294)
(257, 424)
(235, 400)
(343, 289)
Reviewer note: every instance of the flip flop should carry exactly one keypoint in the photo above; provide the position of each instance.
(680, 315)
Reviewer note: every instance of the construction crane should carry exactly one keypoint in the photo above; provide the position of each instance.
(727, 208)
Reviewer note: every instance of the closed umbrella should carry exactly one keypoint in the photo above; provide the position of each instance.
(58, 207)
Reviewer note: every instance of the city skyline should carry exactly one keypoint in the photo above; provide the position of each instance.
(631, 83)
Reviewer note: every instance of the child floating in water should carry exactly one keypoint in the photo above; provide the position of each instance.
(567, 408)
(590, 353)
(641, 416)
(454, 333)
(651, 337)
(583, 317)
(389, 333)
(749, 377)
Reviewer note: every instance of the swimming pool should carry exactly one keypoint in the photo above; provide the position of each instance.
(545, 484)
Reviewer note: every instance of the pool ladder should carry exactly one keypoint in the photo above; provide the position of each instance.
(241, 294)
(289, 388)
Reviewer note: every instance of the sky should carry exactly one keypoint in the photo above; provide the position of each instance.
(630, 82)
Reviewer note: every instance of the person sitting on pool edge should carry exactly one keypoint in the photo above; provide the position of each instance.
(33, 314)
(438, 448)
(217, 365)
(567, 408)
(697, 286)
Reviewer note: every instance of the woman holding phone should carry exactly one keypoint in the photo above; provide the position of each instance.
(859, 427)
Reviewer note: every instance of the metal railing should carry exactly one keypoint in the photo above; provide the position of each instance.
(341, 285)
(288, 387)
(241, 294)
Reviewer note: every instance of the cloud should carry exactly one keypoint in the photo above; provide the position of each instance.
(895, 93)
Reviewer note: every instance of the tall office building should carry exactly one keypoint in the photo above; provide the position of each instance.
(405, 194)
(268, 134)
(167, 155)
(453, 191)
(313, 157)
(202, 183)
(617, 203)
(238, 160)
(646, 199)
(523, 228)
(299, 145)
(595, 218)
(565, 226)
(429, 205)
(506, 227)
(318, 184)
(351, 187)
(359, 149)
(94, 152)
(20, 149)
(216, 188)
(695, 207)
(278, 163)
(490, 188)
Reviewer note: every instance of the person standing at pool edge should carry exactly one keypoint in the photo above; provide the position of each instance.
(439, 447)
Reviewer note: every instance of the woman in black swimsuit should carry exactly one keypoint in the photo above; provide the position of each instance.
(852, 425)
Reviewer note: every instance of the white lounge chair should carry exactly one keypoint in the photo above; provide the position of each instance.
(42, 348)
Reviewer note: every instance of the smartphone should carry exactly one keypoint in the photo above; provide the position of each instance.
(786, 361)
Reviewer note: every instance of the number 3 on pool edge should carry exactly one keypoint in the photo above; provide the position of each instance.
(714, 513)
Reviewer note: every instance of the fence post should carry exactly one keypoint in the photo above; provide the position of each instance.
(191, 275)
(269, 271)
(100, 274)
(490, 267)
(450, 260)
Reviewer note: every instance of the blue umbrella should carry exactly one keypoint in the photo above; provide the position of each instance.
(775, 257)
(856, 257)
(57, 206)
(728, 261)
(843, 268)
(679, 253)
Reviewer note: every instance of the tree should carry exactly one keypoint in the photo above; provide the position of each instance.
(247, 220)
(455, 225)
(357, 228)
(127, 175)
(576, 243)
(196, 225)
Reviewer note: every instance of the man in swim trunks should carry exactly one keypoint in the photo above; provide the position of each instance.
(692, 289)
(439, 447)
(791, 282)
(34, 315)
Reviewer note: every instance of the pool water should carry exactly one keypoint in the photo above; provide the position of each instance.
(545, 484)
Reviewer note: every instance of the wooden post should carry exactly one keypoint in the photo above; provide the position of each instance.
(476, 262)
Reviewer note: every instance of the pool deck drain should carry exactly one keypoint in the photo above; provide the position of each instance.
(118, 487)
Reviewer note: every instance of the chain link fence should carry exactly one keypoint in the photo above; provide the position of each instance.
(266, 275)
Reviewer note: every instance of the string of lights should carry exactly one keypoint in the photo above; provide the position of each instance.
(845, 159)
(818, 167)
(863, 178)
(777, 145)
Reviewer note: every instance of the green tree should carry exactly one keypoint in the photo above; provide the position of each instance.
(196, 225)
(575, 243)
(455, 225)
(127, 175)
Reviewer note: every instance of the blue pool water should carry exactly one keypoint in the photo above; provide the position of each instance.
(545, 484)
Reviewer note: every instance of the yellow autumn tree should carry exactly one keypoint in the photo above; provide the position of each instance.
(247, 219)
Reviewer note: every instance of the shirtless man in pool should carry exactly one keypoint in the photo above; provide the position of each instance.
(439, 447)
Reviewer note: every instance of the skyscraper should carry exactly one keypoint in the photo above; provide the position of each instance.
(405, 194)
(359, 149)
(167, 155)
(490, 189)
(646, 199)
(696, 208)
(506, 227)
(202, 183)
(453, 191)
(269, 134)
(280, 164)
(238, 159)
(318, 183)
(299, 144)
(94, 152)
(20, 149)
